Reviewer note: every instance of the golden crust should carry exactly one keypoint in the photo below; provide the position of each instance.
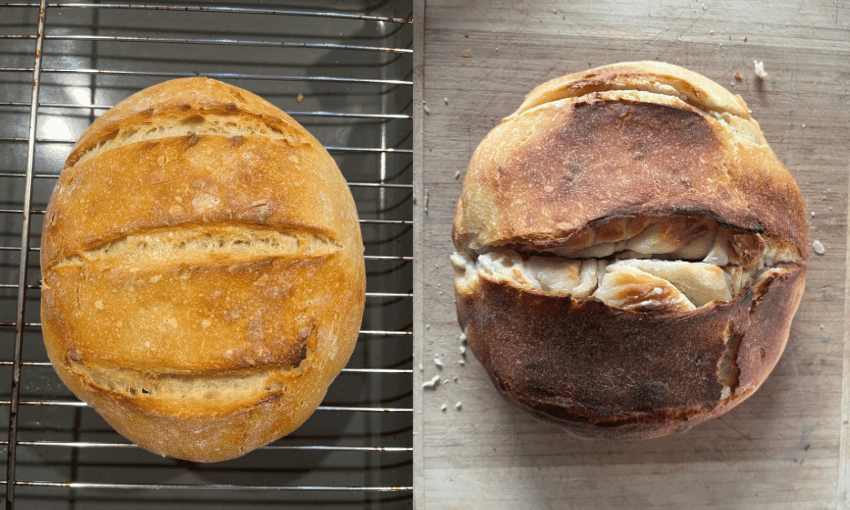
(205, 307)
(602, 150)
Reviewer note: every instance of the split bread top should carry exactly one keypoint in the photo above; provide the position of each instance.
(642, 184)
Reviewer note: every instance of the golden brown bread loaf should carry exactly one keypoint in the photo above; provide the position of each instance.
(203, 274)
(629, 252)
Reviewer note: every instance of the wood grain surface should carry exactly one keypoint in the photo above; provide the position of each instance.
(786, 447)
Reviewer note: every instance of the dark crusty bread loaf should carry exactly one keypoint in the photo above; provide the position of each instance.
(629, 251)
(203, 270)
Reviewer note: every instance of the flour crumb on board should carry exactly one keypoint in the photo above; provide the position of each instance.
(431, 383)
(443, 407)
(457, 175)
(466, 53)
(426, 199)
(437, 361)
(818, 247)
(425, 107)
(758, 69)
(458, 406)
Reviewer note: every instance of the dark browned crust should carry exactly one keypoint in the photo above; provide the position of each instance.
(601, 159)
(605, 372)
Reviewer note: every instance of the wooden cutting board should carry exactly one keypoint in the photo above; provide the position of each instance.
(787, 446)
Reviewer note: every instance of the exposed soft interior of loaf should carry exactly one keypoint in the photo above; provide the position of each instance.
(204, 244)
(639, 264)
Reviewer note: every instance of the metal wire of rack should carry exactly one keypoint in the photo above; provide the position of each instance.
(341, 68)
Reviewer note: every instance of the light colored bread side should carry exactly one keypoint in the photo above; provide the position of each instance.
(203, 270)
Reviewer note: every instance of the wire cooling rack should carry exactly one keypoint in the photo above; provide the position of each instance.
(342, 69)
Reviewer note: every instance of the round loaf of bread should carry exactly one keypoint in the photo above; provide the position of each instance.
(629, 252)
(203, 274)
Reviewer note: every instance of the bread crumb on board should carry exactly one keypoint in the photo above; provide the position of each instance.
(818, 248)
(739, 76)
(467, 53)
(758, 69)
(432, 383)
(299, 97)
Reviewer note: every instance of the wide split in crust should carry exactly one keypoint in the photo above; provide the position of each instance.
(639, 264)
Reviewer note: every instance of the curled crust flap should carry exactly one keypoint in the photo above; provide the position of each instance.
(648, 76)
(564, 165)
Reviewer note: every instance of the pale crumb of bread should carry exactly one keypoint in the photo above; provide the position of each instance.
(758, 69)
(818, 247)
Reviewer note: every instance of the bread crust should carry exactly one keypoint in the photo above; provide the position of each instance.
(203, 274)
(631, 140)
(548, 171)
(604, 372)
